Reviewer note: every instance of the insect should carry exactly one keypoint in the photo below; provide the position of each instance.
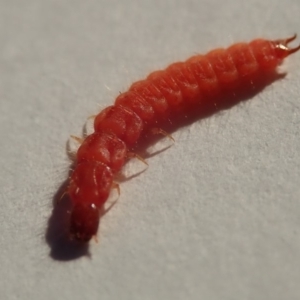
(182, 86)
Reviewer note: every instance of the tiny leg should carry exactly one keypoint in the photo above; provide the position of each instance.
(72, 146)
(106, 210)
(95, 237)
(134, 155)
(77, 139)
(162, 132)
(117, 187)
(56, 201)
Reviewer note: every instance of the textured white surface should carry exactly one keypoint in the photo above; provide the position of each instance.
(214, 217)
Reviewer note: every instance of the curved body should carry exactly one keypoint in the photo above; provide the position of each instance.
(192, 83)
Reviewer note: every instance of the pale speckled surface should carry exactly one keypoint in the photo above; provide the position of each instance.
(214, 217)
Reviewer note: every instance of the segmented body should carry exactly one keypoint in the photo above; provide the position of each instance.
(192, 83)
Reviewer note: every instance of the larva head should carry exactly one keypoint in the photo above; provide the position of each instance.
(88, 190)
(84, 222)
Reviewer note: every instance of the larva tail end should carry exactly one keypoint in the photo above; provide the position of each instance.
(282, 47)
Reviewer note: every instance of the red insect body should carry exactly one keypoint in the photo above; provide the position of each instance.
(119, 127)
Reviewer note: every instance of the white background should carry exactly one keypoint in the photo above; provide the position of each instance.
(214, 217)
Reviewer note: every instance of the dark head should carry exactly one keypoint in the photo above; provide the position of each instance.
(84, 222)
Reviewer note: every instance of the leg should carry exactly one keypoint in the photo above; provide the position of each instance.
(95, 237)
(73, 145)
(57, 200)
(134, 155)
(116, 186)
(162, 132)
(104, 211)
(77, 139)
(160, 148)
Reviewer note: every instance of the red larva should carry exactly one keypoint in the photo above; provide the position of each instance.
(192, 83)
